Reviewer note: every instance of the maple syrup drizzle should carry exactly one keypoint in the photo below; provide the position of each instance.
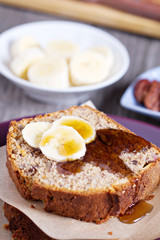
(136, 212)
(105, 152)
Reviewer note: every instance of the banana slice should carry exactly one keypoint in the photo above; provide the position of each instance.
(32, 133)
(20, 64)
(88, 67)
(83, 127)
(22, 44)
(64, 49)
(50, 72)
(106, 52)
(62, 143)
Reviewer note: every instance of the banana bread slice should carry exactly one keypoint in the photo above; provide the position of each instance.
(118, 169)
(21, 227)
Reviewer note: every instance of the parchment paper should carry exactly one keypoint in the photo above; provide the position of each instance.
(65, 228)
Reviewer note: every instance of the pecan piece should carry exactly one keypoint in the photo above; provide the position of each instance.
(141, 89)
(152, 99)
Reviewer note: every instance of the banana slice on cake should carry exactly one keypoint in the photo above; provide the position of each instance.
(64, 49)
(88, 67)
(50, 72)
(62, 143)
(106, 52)
(32, 132)
(22, 44)
(83, 127)
(20, 64)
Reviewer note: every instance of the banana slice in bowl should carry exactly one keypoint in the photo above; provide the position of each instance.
(20, 64)
(106, 52)
(65, 49)
(87, 68)
(49, 71)
(22, 44)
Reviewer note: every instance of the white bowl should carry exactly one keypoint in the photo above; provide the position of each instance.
(84, 35)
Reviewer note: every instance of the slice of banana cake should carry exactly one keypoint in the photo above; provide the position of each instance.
(81, 163)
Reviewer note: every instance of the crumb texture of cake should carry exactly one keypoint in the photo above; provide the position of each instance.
(118, 169)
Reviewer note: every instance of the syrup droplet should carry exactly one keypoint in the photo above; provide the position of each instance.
(136, 212)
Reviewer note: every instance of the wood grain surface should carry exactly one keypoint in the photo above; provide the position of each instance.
(93, 13)
(146, 8)
(144, 54)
